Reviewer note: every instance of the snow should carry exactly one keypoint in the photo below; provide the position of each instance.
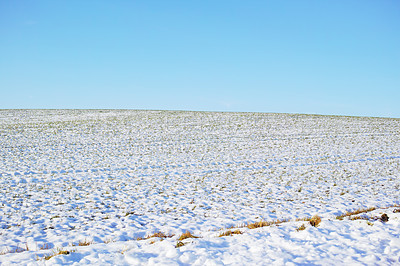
(109, 177)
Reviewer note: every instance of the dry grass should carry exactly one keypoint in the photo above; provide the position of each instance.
(384, 218)
(358, 217)
(157, 234)
(125, 249)
(44, 246)
(130, 213)
(315, 220)
(179, 244)
(265, 223)
(230, 233)
(301, 228)
(85, 243)
(15, 250)
(57, 252)
(186, 235)
(4, 252)
(304, 219)
(109, 240)
(19, 249)
(355, 212)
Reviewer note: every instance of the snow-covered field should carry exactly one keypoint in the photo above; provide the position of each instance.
(93, 183)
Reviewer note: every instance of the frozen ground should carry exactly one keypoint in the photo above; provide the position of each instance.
(110, 177)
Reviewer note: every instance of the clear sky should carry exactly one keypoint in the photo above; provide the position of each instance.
(319, 57)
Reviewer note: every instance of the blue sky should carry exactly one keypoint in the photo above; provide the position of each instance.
(319, 57)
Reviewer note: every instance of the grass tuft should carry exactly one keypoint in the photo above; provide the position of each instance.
(85, 243)
(109, 240)
(230, 233)
(358, 217)
(301, 228)
(15, 250)
(57, 252)
(179, 244)
(158, 234)
(315, 220)
(45, 246)
(265, 223)
(130, 213)
(305, 219)
(186, 235)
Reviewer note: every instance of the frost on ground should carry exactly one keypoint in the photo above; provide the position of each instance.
(84, 186)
